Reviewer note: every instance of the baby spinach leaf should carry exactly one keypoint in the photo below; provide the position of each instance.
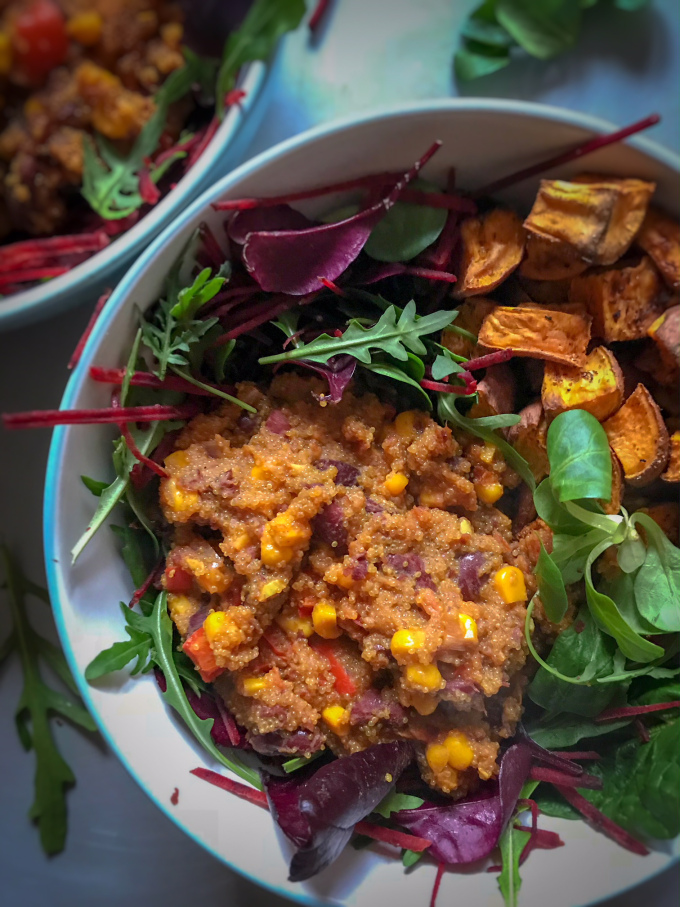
(551, 587)
(631, 554)
(469, 65)
(657, 584)
(580, 461)
(553, 513)
(610, 619)
(622, 591)
(583, 656)
(406, 230)
(563, 730)
(544, 28)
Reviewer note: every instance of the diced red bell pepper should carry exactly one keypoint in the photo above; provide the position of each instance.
(39, 39)
(178, 580)
(343, 682)
(198, 649)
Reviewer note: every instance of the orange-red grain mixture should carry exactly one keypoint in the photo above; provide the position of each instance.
(342, 574)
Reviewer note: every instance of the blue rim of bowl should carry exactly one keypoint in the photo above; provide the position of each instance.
(50, 514)
(92, 274)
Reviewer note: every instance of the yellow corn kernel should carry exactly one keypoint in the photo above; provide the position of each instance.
(325, 620)
(427, 676)
(240, 541)
(423, 703)
(291, 623)
(273, 587)
(431, 499)
(395, 483)
(271, 554)
(465, 527)
(286, 531)
(487, 453)
(177, 460)
(344, 580)
(404, 423)
(490, 493)
(510, 585)
(468, 627)
(253, 685)
(407, 642)
(5, 53)
(336, 718)
(211, 579)
(297, 468)
(172, 34)
(260, 473)
(85, 28)
(437, 757)
(214, 625)
(178, 499)
(459, 751)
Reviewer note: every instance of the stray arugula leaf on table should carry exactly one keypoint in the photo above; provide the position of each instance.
(37, 703)
(541, 28)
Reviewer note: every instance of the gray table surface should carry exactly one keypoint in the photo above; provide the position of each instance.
(121, 849)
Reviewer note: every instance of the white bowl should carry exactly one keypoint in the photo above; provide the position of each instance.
(483, 139)
(88, 280)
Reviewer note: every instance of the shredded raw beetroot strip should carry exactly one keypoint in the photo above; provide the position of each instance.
(442, 388)
(140, 476)
(441, 869)
(210, 245)
(317, 16)
(206, 137)
(630, 711)
(152, 578)
(601, 822)
(266, 311)
(32, 274)
(473, 365)
(552, 776)
(259, 798)
(439, 256)
(146, 379)
(429, 274)
(179, 148)
(36, 252)
(148, 190)
(138, 455)
(601, 141)
(439, 200)
(642, 730)
(96, 312)
(333, 287)
(48, 417)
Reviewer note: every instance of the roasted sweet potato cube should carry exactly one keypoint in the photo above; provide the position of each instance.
(495, 392)
(528, 437)
(623, 302)
(659, 236)
(548, 259)
(471, 314)
(667, 516)
(665, 332)
(546, 292)
(538, 332)
(597, 387)
(639, 438)
(613, 505)
(493, 246)
(672, 473)
(597, 219)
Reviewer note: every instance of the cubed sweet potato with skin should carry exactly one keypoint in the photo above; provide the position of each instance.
(529, 438)
(639, 438)
(597, 387)
(495, 392)
(623, 302)
(667, 516)
(550, 260)
(597, 219)
(492, 247)
(538, 332)
(665, 332)
(546, 292)
(471, 314)
(672, 473)
(659, 236)
(613, 505)
(649, 364)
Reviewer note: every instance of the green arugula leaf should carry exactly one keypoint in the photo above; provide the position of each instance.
(544, 28)
(298, 762)
(394, 801)
(406, 230)
(483, 27)
(469, 65)
(220, 359)
(267, 21)
(443, 366)
(157, 630)
(215, 391)
(410, 857)
(388, 335)
(135, 553)
(512, 843)
(36, 703)
(190, 299)
(551, 587)
(93, 485)
(396, 373)
(580, 461)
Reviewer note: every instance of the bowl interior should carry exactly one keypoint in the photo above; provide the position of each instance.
(482, 140)
(87, 280)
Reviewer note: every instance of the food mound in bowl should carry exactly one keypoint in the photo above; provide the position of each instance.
(320, 575)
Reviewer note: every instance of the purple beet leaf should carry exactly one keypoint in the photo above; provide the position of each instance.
(264, 220)
(318, 809)
(292, 261)
(338, 372)
(468, 830)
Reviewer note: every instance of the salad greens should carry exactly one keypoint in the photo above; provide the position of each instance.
(38, 702)
(497, 30)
